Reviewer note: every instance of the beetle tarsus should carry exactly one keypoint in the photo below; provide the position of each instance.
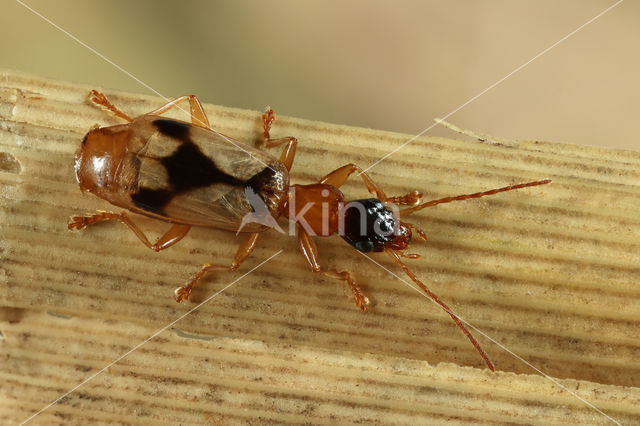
(268, 118)
(414, 228)
(362, 301)
(78, 222)
(182, 293)
(101, 100)
(289, 152)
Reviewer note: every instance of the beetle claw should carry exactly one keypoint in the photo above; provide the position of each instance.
(362, 301)
(77, 222)
(182, 293)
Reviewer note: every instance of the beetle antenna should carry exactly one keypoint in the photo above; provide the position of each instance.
(474, 342)
(407, 212)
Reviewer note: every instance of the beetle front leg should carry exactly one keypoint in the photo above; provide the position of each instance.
(244, 251)
(172, 236)
(289, 152)
(339, 176)
(310, 251)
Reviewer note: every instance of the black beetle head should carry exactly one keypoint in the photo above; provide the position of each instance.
(368, 225)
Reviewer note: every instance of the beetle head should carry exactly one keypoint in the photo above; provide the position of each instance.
(369, 225)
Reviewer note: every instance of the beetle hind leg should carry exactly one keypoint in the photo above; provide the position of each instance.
(245, 249)
(99, 99)
(169, 238)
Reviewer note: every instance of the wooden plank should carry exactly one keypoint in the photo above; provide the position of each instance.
(550, 272)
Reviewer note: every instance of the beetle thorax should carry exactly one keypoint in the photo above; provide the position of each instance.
(315, 208)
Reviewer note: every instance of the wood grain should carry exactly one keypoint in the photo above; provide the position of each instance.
(551, 273)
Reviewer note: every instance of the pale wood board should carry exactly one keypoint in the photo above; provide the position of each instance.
(551, 272)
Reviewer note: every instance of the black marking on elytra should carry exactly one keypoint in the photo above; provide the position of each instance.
(261, 180)
(189, 168)
(262, 184)
(153, 200)
(175, 129)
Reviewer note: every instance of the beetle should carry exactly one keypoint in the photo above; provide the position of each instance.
(188, 174)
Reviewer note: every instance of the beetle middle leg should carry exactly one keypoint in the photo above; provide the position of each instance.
(198, 116)
(310, 251)
(289, 152)
(245, 249)
(172, 236)
(339, 176)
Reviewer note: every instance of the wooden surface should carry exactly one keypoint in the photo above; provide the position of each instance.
(552, 273)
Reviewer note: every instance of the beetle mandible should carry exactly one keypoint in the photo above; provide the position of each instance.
(187, 174)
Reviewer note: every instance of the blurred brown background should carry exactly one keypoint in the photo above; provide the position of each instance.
(386, 65)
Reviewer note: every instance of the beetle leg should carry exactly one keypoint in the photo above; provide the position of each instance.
(362, 301)
(416, 229)
(172, 236)
(247, 247)
(198, 116)
(289, 151)
(310, 251)
(101, 100)
(339, 176)
(183, 293)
